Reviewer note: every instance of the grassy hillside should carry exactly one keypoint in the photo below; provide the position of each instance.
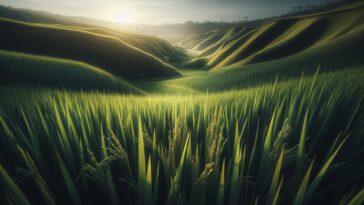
(296, 142)
(206, 47)
(152, 45)
(30, 16)
(23, 69)
(286, 37)
(276, 116)
(332, 31)
(157, 47)
(107, 52)
(241, 78)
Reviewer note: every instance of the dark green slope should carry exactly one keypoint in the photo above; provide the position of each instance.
(157, 47)
(24, 69)
(107, 52)
(284, 49)
(33, 16)
(290, 36)
(285, 37)
(152, 45)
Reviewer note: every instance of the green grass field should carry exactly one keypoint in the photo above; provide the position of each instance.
(263, 113)
(295, 142)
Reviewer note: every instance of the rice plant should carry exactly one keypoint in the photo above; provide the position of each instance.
(295, 142)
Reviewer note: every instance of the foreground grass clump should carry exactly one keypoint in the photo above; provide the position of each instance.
(298, 142)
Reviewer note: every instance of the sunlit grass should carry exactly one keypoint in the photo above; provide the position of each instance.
(295, 142)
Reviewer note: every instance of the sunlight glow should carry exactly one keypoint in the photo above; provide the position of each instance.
(122, 17)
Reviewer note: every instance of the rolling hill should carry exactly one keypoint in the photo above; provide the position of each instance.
(284, 49)
(107, 52)
(24, 69)
(341, 29)
(265, 112)
(246, 54)
(103, 51)
(155, 46)
(30, 16)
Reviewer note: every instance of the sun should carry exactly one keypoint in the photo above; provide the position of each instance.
(122, 17)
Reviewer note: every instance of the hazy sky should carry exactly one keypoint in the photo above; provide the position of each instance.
(161, 11)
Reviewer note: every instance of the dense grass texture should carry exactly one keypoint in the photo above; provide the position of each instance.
(296, 142)
(236, 78)
(24, 69)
